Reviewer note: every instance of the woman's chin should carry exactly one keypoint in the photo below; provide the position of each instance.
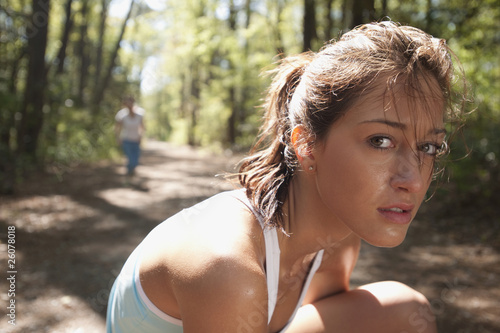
(386, 241)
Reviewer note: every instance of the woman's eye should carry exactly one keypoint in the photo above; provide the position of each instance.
(432, 149)
(381, 142)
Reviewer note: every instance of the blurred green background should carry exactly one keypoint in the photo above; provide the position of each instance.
(195, 66)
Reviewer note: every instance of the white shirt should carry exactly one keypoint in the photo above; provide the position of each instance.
(130, 129)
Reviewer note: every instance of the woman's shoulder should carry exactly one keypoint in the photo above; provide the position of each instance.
(122, 113)
(213, 251)
(217, 271)
(221, 230)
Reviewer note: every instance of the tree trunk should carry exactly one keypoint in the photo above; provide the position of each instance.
(428, 16)
(56, 94)
(346, 11)
(280, 48)
(328, 20)
(8, 110)
(246, 51)
(7, 122)
(34, 94)
(194, 84)
(109, 71)
(309, 24)
(83, 54)
(363, 11)
(231, 122)
(248, 12)
(194, 103)
(184, 94)
(233, 103)
(61, 55)
(99, 54)
(384, 8)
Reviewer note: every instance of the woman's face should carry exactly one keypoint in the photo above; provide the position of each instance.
(129, 104)
(375, 164)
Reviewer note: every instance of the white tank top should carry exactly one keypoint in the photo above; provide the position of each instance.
(128, 286)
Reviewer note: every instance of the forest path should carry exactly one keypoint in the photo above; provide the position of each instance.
(73, 235)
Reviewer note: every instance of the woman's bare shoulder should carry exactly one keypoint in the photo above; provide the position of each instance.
(218, 230)
(212, 252)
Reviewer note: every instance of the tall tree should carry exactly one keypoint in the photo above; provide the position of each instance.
(384, 9)
(428, 15)
(68, 24)
(246, 86)
(112, 62)
(57, 91)
(345, 14)
(363, 11)
(275, 25)
(83, 52)
(34, 94)
(233, 104)
(194, 102)
(99, 51)
(309, 24)
(329, 20)
(195, 69)
(13, 51)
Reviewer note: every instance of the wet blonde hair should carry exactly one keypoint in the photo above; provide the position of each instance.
(314, 90)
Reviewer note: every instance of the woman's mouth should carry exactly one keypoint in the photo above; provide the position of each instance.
(397, 214)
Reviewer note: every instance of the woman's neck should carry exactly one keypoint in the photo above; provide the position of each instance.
(131, 111)
(307, 221)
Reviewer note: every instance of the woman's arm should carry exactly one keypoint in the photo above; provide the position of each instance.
(229, 295)
(382, 307)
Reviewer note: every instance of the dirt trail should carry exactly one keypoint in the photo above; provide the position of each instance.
(72, 237)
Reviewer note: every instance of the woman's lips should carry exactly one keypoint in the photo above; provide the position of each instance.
(400, 214)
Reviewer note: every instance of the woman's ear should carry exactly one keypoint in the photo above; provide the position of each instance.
(302, 144)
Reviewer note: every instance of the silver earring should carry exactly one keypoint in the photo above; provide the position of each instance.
(311, 168)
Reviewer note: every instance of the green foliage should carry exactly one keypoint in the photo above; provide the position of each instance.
(473, 33)
(216, 59)
(80, 138)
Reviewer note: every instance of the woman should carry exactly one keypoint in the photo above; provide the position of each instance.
(348, 152)
(129, 129)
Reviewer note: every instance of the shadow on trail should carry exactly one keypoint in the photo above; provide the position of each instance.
(73, 236)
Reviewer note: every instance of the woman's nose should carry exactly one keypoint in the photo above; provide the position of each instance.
(408, 175)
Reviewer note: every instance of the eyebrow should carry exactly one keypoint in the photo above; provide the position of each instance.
(402, 126)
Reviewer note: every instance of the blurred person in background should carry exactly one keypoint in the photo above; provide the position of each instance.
(129, 130)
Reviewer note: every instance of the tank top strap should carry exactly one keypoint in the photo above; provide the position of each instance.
(272, 254)
(273, 262)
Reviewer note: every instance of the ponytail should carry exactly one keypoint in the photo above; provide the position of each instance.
(266, 173)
